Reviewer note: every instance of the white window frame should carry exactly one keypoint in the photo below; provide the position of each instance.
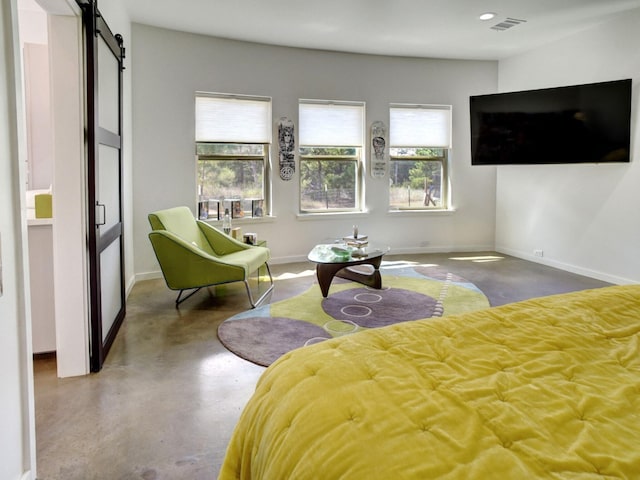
(333, 124)
(222, 118)
(421, 126)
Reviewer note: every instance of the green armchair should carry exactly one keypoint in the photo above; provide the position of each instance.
(193, 254)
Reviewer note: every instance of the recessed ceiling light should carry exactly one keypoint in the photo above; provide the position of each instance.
(487, 16)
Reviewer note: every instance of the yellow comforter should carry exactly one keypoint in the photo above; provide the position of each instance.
(546, 388)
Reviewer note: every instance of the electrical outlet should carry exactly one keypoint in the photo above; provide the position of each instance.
(538, 252)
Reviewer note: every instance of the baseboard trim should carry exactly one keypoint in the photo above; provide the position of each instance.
(44, 355)
(605, 277)
(147, 276)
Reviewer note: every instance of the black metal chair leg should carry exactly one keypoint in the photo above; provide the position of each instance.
(179, 301)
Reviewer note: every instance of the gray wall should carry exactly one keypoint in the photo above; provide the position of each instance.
(169, 66)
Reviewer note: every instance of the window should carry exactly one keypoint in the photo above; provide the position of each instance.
(419, 143)
(331, 140)
(233, 136)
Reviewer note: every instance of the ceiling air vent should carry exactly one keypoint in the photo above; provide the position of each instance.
(507, 24)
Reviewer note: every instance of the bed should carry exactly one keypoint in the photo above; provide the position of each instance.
(545, 388)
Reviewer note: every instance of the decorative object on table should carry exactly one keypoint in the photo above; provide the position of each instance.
(250, 238)
(287, 143)
(226, 222)
(378, 149)
(341, 253)
(410, 292)
(257, 207)
(236, 233)
(203, 209)
(357, 239)
(236, 209)
(359, 242)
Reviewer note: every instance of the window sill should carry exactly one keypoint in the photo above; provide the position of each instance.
(331, 215)
(243, 221)
(420, 212)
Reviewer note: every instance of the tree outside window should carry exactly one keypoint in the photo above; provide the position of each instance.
(328, 178)
(416, 178)
(231, 172)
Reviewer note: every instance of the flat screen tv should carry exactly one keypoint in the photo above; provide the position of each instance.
(588, 123)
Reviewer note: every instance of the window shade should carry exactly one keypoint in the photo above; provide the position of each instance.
(420, 126)
(233, 119)
(331, 124)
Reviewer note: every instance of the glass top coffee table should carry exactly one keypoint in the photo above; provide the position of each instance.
(335, 260)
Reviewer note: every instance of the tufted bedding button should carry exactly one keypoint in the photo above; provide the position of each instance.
(507, 444)
(424, 428)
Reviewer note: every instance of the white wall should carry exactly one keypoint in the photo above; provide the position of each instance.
(583, 217)
(37, 106)
(171, 66)
(32, 22)
(69, 230)
(34, 39)
(17, 431)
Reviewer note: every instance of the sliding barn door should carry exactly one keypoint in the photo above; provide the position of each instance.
(104, 66)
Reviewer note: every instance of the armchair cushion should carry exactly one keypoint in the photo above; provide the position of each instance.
(180, 220)
(220, 243)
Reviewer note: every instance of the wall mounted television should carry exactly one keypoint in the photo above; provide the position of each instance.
(588, 123)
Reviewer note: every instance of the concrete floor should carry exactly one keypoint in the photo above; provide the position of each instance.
(169, 395)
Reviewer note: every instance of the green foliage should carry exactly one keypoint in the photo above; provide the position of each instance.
(328, 151)
(416, 177)
(328, 177)
(422, 172)
(220, 179)
(229, 149)
(411, 167)
(230, 170)
(328, 183)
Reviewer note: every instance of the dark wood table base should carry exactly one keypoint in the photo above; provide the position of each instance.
(326, 272)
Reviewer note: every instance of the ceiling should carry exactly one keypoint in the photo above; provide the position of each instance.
(416, 28)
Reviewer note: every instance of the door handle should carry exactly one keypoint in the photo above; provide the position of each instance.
(104, 214)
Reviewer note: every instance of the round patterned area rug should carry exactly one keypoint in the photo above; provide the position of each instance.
(412, 292)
